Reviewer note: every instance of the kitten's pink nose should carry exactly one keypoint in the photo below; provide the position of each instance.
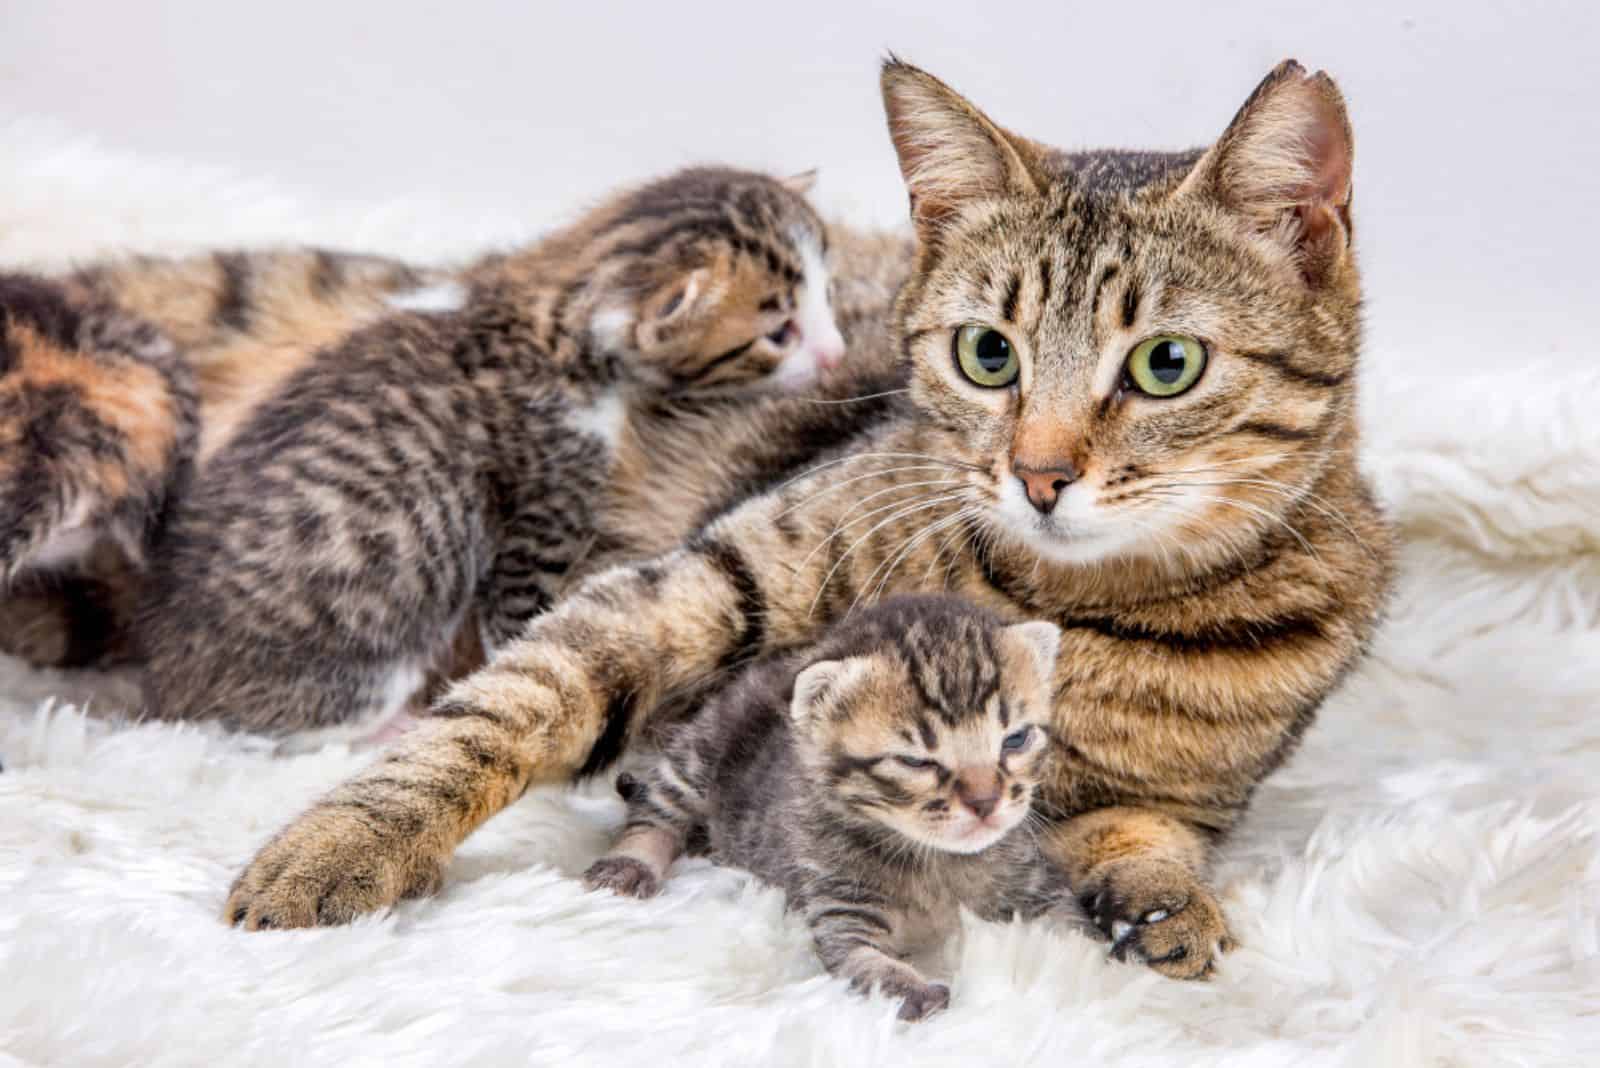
(979, 791)
(829, 349)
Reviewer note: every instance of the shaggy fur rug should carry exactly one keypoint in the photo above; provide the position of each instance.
(1421, 885)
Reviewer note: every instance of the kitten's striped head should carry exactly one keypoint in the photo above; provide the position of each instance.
(1149, 355)
(927, 716)
(716, 279)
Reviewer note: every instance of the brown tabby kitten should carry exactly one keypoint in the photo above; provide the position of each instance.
(1132, 413)
(445, 465)
(880, 779)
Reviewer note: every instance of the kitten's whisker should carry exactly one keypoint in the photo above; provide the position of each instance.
(855, 400)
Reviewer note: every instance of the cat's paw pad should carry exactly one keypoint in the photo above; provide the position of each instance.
(328, 867)
(1157, 912)
(622, 875)
(920, 1002)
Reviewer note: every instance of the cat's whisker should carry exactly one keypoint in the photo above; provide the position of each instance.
(857, 478)
(855, 456)
(1257, 510)
(893, 517)
(893, 560)
(1312, 500)
(899, 486)
(840, 528)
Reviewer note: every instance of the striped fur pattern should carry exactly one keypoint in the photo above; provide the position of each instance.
(97, 428)
(394, 456)
(1214, 560)
(881, 779)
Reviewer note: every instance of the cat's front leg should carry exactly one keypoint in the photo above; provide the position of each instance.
(854, 936)
(1138, 875)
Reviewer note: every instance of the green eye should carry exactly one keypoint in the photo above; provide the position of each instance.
(985, 356)
(1165, 366)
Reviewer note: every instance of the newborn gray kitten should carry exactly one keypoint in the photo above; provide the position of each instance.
(880, 778)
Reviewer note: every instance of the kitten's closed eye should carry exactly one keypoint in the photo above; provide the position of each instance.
(917, 763)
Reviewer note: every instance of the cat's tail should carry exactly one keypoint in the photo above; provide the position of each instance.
(98, 422)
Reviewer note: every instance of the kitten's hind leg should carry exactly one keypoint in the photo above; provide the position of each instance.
(654, 837)
(97, 419)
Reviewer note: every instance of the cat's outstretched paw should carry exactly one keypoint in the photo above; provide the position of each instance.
(328, 867)
(1157, 912)
(622, 875)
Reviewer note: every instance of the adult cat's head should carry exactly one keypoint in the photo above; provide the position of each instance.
(1146, 355)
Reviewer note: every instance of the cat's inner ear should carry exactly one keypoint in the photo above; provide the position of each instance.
(1284, 167)
(822, 684)
(950, 152)
(801, 183)
(1038, 641)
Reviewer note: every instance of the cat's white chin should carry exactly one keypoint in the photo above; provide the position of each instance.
(1077, 532)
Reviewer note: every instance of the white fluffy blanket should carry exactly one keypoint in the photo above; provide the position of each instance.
(1421, 885)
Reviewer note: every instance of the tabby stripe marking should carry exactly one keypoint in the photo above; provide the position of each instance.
(613, 735)
(1237, 634)
(1277, 431)
(752, 606)
(1280, 362)
(233, 299)
(845, 912)
(1008, 307)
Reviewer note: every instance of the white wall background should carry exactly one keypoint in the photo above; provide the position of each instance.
(1478, 123)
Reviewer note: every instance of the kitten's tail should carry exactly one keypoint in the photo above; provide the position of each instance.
(97, 425)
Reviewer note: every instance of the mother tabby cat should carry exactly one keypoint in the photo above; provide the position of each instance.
(1130, 411)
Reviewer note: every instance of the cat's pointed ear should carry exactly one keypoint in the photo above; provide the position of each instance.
(1283, 167)
(1039, 641)
(950, 152)
(823, 683)
(801, 183)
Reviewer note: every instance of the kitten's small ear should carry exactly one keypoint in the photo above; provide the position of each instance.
(1284, 167)
(1041, 641)
(823, 682)
(679, 299)
(801, 183)
(950, 152)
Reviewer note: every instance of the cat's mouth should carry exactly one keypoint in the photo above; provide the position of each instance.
(1076, 529)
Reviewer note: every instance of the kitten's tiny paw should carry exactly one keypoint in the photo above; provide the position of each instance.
(923, 1001)
(1157, 912)
(622, 875)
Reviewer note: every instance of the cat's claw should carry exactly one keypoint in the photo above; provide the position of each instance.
(622, 875)
(1160, 914)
